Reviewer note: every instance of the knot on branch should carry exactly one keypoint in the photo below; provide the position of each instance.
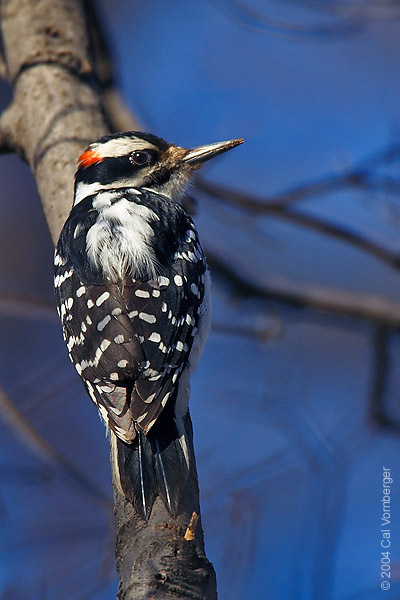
(74, 63)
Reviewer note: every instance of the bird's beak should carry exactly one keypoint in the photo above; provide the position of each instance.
(197, 156)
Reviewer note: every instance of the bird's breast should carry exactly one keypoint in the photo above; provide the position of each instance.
(121, 240)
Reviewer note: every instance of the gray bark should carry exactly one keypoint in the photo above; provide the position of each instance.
(55, 113)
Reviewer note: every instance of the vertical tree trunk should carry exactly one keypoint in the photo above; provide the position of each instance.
(56, 112)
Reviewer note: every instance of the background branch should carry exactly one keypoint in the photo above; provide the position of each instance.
(280, 210)
(345, 18)
(380, 375)
(361, 176)
(363, 306)
(45, 451)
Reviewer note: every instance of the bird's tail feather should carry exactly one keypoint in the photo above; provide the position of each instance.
(171, 471)
(153, 465)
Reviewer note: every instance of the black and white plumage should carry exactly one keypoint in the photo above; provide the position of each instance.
(132, 289)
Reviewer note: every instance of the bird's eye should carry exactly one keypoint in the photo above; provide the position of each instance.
(141, 158)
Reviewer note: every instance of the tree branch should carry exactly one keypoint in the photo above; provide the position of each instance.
(344, 18)
(362, 306)
(381, 371)
(360, 176)
(281, 209)
(39, 446)
(57, 111)
(27, 307)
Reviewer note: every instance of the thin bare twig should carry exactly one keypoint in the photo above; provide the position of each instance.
(27, 307)
(119, 117)
(262, 23)
(360, 176)
(306, 191)
(381, 369)
(261, 334)
(32, 439)
(281, 211)
(362, 306)
(344, 21)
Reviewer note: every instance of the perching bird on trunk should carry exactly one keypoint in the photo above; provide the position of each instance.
(133, 295)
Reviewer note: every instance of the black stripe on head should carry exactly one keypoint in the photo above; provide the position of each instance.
(107, 169)
(112, 169)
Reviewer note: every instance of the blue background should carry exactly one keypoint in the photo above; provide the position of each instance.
(290, 459)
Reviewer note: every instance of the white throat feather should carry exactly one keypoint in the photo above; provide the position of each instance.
(120, 241)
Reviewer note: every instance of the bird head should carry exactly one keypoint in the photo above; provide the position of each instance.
(141, 160)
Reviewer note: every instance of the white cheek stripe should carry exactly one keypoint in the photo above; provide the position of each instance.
(83, 190)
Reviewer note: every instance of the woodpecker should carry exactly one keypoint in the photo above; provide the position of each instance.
(133, 295)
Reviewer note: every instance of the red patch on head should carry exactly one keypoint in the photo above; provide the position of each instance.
(89, 158)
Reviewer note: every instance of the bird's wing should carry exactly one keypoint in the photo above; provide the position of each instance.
(131, 344)
(102, 345)
(165, 318)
